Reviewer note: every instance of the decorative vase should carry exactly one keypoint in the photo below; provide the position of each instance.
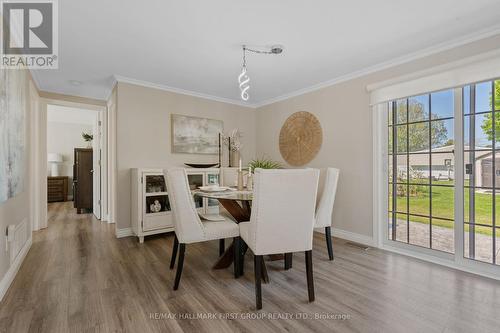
(89, 144)
(234, 158)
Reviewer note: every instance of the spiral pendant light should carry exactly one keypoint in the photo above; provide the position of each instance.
(243, 78)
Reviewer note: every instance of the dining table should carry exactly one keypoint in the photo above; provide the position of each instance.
(238, 203)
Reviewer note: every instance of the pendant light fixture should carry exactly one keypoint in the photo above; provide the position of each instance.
(243, 78)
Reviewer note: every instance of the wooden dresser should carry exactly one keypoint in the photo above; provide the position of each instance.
(57, 188)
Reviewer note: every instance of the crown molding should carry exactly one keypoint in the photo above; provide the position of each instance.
(466, 39)
(123, 79)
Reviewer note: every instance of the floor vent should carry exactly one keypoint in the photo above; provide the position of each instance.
(19, 238)
(358, 246)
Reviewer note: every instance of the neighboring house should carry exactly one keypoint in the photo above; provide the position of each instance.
(442, 166)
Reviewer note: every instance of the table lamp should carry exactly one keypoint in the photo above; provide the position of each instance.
(54, 159)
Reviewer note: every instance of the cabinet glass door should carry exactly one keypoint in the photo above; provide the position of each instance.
(156, 194)
(196, 181)
(212, 204)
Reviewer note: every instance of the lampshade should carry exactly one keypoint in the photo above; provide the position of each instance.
(54, 158)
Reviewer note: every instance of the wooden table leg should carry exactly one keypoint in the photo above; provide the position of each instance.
(226, 259)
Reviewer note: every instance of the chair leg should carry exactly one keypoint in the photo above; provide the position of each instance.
(174, 252)
(222, 247)
(309, 272)
(244, 248)
(328, 236)
(258, 283)
(288, 260)
(237, 256)
(180, 264)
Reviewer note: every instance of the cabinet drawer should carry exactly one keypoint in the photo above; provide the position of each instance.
(154, 222)
(55, 182)
(55, 188)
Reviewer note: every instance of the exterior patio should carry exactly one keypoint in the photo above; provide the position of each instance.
(443, 239)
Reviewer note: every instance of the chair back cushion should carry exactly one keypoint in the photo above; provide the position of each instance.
(283, 209)
(188, 226)
(326, 197)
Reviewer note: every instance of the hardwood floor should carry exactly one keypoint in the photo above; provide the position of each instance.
(79, 277)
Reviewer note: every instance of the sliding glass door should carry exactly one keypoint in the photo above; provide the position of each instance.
(421, 171)
(481, 121)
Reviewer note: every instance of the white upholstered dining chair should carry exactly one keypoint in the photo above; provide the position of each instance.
(324, 208)
(188, 226)
(282, 219)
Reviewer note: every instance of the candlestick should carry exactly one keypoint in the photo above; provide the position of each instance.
(240, 166)
(240, 180)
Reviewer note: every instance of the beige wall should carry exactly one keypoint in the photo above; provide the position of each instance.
(17, 209)
(143, 133)
(345, 116)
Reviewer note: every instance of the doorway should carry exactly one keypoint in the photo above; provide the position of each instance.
(76, 168)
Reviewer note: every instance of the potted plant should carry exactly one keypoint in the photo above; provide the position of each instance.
(264, 163)
(88, 138)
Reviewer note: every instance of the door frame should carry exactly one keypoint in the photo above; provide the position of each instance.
(40, 185)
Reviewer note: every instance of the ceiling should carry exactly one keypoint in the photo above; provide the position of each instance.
(195, 46)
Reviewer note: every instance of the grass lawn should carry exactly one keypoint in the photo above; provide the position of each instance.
(442, 206)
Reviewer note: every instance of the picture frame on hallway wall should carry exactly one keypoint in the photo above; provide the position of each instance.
(195, 135)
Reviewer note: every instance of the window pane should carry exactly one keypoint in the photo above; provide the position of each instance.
(389, 167)
(402, 175)
(389, 226)
(483, 97)
(389, 199)
(419, 200)
(488, 128)
(419, 168)
(418, 108)
(401, 228)
(443, 237)
(442, 104)
(401, 198)
(497, 245)
(419, 231)
(468, 233)
(401, 139)
(389, 107)
(418, 137)
(443, 199)
(466, 99)
(389, 140)
(442, 135)
(497, 95)
(482, 131)
(484, 171)
(484, 244)
(442, 168)
(401, 111)
(483, 207)
(466, 204)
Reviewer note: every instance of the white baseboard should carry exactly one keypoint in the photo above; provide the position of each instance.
(350, 236)
(13, 269)
(125, 232)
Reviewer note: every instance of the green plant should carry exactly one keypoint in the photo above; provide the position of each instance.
(264, 163)
(87, 137)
